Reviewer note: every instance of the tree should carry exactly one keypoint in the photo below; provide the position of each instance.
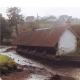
(33, 25)
(76, 28)
(15, 17)
(5, 31)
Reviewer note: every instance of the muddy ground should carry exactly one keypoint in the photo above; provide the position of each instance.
(26, 72)
(22, 75)
(43, 69)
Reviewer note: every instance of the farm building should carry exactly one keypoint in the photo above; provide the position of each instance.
(54, 41)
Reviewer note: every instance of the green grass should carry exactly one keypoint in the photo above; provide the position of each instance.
(41, 25)
(6, 64)
(77, 53)
(49, 24)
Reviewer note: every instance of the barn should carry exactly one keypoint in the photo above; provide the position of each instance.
(54, 41)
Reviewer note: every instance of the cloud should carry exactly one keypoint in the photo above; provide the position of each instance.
(40, 3)
(46, 11)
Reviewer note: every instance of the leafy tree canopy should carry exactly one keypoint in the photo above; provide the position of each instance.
(5, 31)
(14, 17)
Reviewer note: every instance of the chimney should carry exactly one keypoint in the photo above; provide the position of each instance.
(24, 30)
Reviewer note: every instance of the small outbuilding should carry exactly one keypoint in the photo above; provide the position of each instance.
(55, 41)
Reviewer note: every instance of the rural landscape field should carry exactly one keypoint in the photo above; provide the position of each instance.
(36, 47)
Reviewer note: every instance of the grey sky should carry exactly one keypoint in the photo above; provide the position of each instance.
(46, 11)
(43, 7)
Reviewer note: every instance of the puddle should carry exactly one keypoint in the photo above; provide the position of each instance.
(58, 77)
(0, 79)
(37, 77)
(3, 48)
(19, 59)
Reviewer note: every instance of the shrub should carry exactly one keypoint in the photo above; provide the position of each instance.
(6, 64)
(4, 70)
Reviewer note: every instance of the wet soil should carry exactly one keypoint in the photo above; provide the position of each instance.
(26, 72)
(48, 70)
(37, 70)
(58, 77)
(22, 75)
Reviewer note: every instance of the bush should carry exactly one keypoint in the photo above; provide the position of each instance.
(6, 64)
(7, 41)
(4, 70)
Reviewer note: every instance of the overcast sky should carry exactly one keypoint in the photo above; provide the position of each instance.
(43, 7)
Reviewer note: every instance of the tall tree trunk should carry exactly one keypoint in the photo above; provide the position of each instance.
(16, 30)
(1, 40)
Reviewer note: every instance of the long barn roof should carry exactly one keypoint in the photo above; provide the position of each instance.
(44, 38)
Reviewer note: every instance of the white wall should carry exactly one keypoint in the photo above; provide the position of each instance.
(67, 43)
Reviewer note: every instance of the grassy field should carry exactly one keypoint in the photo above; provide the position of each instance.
(48, 24)
(40, 25)
(6, 64)
(77, 53)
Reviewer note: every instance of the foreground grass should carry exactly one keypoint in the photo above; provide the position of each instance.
(77, 53)
(6, 64)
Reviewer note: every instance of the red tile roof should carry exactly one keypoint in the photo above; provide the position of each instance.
(45, 38)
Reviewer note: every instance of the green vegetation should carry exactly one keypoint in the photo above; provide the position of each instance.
(7, 41)
(14, 17)
(28, 26)
(6, 64)
(5, 30)
(77, 53)
(46, 24)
